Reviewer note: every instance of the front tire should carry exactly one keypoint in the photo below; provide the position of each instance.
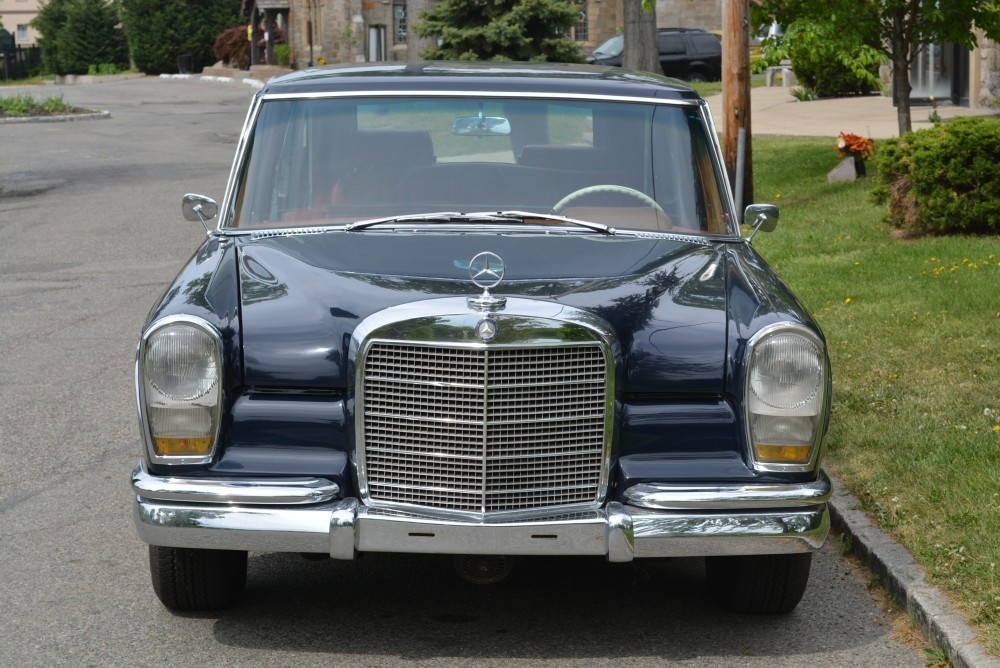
(767, 584)
(187, 579)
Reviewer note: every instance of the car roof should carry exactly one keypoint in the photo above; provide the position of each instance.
(425, 76)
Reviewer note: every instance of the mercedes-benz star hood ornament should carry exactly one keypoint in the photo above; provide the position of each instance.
(486, 271)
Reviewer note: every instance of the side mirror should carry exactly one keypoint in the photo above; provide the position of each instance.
(761, 217)
(199, 208)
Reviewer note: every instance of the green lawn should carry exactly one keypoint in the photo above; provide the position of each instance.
(913, 327)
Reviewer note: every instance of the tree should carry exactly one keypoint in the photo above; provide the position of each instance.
(159, 31)
(76, 34)
(641, 51)
(416, 43)
(91, 38)
(50, 21)
(894, 28)
(524, 30)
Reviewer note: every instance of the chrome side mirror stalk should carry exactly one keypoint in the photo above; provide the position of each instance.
(761, 217)
(199, 208)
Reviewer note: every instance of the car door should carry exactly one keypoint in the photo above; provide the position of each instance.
(673, 56)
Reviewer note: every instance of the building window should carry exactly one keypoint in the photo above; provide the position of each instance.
(581, 33)
(22, 33)
(399, 23)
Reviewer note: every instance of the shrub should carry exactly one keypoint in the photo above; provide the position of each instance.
(824, 63)
(233, 48)
(943, 180)
(76, 34)
(283, 54)
(159, 31)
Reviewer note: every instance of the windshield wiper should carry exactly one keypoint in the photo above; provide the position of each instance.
(478, 216)
(435, 217)
(527, 215)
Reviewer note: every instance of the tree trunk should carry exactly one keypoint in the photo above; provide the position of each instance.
(415, 44)
(736, 99)
(641, 51)
(901, 71)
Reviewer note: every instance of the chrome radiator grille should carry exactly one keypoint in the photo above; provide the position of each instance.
(483, 431)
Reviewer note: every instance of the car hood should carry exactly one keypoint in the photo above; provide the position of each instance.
(302, 296)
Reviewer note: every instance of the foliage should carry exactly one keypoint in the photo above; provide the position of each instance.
(521, 30)
(102, 69)
(827, 66)
(915, 425)
(893, 28)
(283, 54)
(232, 47)
(50, 21)
(159, 31)
(76, 34)
(804, 94)
(25, 105)
(943, 180)
(856, 146)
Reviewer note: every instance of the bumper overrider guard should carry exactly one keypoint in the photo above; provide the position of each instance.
(653, 520)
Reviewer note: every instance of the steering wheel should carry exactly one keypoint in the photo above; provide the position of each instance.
(607, 188)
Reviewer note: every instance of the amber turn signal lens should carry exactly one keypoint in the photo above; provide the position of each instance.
(783, 454)
(183, 446)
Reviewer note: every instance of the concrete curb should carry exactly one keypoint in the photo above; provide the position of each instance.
(903, 578)
(97, 115)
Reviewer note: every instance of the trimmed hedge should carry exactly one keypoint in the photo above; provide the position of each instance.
(943, 180)
(76, 34)
(160, 31)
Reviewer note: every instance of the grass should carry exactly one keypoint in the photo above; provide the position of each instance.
(707, 88)
(26, 105)
(912, 331)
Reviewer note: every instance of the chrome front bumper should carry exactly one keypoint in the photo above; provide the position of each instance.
(305, 515)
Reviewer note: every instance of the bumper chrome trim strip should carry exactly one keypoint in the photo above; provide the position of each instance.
(249, 491)
(689, 497)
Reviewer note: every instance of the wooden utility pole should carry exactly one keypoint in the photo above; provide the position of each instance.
(736, 100)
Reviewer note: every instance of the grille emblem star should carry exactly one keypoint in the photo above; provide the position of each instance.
(487, 329)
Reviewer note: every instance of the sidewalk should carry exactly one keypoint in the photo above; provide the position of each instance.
(774, 111)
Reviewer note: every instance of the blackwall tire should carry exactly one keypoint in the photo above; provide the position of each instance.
(769, 584)
(186, 579)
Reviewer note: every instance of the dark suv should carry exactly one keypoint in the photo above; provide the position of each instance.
(685, 53)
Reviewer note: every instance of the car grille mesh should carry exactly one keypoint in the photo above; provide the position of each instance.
(484, 430)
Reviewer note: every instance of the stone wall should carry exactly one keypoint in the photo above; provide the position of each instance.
(989, 78)
(703, 14)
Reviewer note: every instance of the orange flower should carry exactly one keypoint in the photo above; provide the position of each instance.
(856, 146)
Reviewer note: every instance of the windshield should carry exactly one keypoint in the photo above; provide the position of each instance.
(612, 47)
(337, 161)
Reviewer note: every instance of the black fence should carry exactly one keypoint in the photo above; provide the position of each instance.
(20, 62)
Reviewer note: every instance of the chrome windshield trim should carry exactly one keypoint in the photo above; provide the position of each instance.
(230, 491)
(444, 91)
(658, 496)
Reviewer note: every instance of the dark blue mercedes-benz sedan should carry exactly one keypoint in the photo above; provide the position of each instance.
(480, 310)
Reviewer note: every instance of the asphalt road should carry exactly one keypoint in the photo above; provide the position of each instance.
(90, 234)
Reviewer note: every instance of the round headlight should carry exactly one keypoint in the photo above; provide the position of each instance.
(786, 372)
(182, 363)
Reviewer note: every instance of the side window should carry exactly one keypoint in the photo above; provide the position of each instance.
(706, 44)
(670, 44)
